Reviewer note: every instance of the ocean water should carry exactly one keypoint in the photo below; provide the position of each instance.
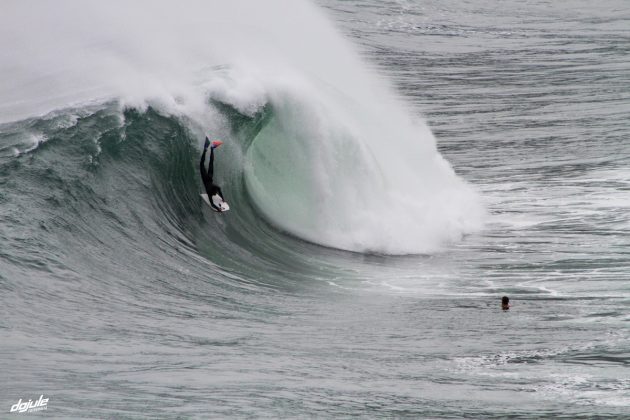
(393, 168)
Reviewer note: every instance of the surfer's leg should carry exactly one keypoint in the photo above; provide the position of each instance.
(211, 164)
(202, 169)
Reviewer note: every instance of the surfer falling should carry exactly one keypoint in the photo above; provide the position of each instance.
(215, 196)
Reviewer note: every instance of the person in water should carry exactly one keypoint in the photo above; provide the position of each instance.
(505, 303)
(206, 177)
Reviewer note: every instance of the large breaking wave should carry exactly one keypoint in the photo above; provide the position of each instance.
(317, 145)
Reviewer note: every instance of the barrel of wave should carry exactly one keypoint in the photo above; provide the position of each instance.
(354, 177)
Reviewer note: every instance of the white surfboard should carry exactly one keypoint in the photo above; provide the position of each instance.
(218, 201)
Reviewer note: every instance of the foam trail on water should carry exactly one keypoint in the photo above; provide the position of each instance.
(341, 162)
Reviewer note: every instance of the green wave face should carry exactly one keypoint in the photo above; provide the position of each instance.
(107, 191)
(300, 172)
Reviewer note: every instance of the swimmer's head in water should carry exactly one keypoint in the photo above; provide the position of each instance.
(505, 303)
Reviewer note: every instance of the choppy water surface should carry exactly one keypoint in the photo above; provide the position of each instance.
(123, 297)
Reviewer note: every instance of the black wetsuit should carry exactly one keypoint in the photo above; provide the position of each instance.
(206, 177)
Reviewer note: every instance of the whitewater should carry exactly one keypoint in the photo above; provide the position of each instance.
(393, 169)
